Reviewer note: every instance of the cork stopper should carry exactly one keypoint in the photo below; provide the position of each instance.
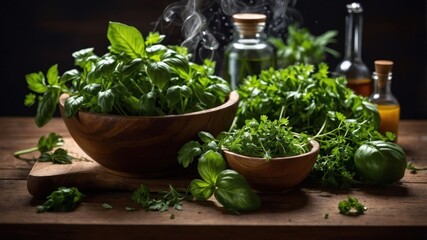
(249, 18)
(383, 67)
(249, 24)
(382, 70)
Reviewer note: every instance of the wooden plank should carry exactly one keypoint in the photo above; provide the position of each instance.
(296, 213)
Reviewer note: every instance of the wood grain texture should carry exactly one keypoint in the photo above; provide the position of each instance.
(144, 146)
(396, 211)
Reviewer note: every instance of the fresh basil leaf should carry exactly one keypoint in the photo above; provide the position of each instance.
(62, 200)
(201, 190)
(153, 38)
(105, 66)
(60, 156)
(179, 65)
(106, 100)
(125, 39)
(120, 90)
(47, 106)
(92, 89)
(70, 75)
(210, 165)
(188, 152)
(156, 52)
(159, 73)
(72, 105)
(52, 75)
(147, 103)
(131, 68)
(206, 137)
(83, 57)
(233, 192)
(36, 82)
(30, 99)
(47, 143)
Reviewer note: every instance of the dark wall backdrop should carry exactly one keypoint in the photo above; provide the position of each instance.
(37, 34)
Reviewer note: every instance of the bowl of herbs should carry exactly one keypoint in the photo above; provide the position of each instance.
(132, 108)
(269, 155)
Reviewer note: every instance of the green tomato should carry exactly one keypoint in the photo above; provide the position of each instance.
(380, 162)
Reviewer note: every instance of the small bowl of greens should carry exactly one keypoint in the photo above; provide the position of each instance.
(269, 155)
(132, 108)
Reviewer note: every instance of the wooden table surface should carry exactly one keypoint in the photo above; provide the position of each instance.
(397, 211)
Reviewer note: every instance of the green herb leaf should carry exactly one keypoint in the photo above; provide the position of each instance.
(233, 192)
(52, 75)
(47, 106)
(30, 99)
(351, 207)
(153, 38)
(201, 190)
(159, 73)
(59, 156)
(62, 200)
(48, 143)
(36, 82)
(210, 165)
(106, 100)
(126, 39)
(72, 105)
(188, 152)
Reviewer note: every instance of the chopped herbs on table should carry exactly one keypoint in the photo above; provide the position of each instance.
(414, 170)
(61, 200)
(172, 198)
(351, 207)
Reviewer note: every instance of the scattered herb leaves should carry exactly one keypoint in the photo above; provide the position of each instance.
(61, 200)
(107, 206)
(59, 156)
(172, 198)
(45, 144)
(414, 170)
(351, 207)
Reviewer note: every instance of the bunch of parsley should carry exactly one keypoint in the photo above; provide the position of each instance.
(319, 106)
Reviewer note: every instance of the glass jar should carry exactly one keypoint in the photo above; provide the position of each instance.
(249, 53)
(383, 98)
(352, 66)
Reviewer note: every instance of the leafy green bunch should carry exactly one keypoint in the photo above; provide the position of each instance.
(136, 77)
(172, 198)
(61, 200)
(319, 106)
(303, 47)
(229, 187)
(266, 139)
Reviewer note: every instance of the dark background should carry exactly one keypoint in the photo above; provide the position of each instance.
(38, 34)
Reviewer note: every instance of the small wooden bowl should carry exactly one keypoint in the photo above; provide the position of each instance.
(275, 175)
(141, 146)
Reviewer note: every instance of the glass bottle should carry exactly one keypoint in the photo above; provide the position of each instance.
(383, 98)
(352, 66)
(249, 53)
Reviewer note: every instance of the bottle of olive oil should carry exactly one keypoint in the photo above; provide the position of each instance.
(383, 98)
(249, 53)
(352, 66)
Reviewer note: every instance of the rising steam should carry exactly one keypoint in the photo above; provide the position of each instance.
(206, 25)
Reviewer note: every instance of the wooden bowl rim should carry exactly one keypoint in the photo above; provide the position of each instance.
(233, 98)
(314, 150)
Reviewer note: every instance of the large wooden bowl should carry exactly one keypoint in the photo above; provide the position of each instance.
(140, 146)
(275, 175)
